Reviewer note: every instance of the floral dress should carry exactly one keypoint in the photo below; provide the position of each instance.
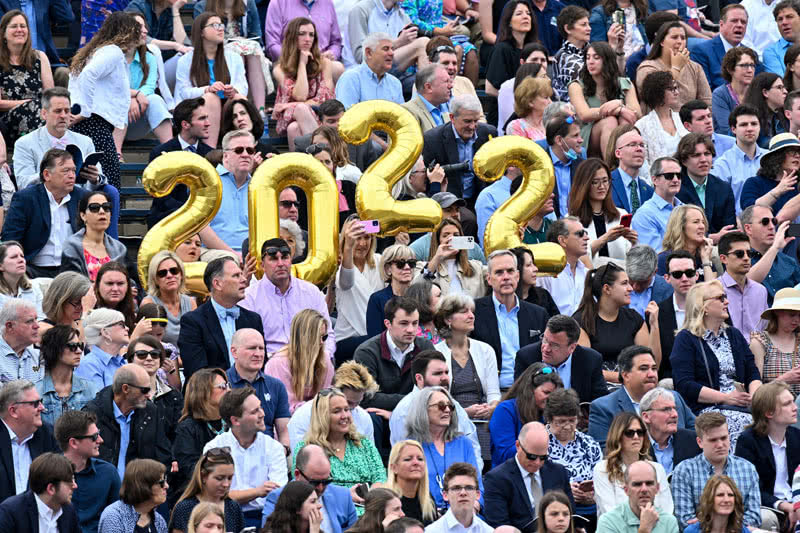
(777, 362)
(22, 84)
(283, 111)
(578, 456)
(523, 128)
(93, 263)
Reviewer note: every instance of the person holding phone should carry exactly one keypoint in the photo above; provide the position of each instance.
(450, 266)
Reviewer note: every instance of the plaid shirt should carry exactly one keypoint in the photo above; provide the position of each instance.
(690, 477)
(569, 60)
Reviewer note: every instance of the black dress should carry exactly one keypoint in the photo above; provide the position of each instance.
(21, 83)
(610, 338)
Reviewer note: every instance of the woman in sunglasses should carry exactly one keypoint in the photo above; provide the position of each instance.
(686, 230)
(397, 266)
(627, 443)
(712, 365)
(210, 483)
(106, 337)
(432, 421)
(144, 487)
(776, 348)
(522, 403)
(61, 390)
(91, 247)
(303, 365)
(408, 477)
(166, 283)
(156, 315)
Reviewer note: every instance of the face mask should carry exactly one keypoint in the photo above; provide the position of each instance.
(569, 152)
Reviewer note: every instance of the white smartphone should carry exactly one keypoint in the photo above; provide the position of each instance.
(462, 243)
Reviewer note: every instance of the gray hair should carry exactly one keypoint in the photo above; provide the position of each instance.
(65, 287)
(235, 134)
(657, 167)
(12, 392)
(641, 262)
(749, 212)
(465, 102)
(556, 108)
(373, 39)
(426, 75)
(97, 320)
(418, 425)
(53, 92)
(559, 228)
(652, 396)
(125, 375)
(500, 253)
(292, 227)
(11, 311)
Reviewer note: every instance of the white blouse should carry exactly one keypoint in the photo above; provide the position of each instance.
(608, 495)
(103, 86)
(485, 365)
(184, 88)
(659, 142)
(353, 289)
(617, 249)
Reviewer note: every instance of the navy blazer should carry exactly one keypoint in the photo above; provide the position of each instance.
(587, 369)
(440, 146)
(42, 442)
(689, 370)
(708, 53)
(758, 450)
(20, 513)
(337, 501)
(161, 207)
(531, 319)
(506, 500)
(572, 168)
(201, 341)
(661, 289)
(620, 196)
(60, 10)
(667, 326)
(605, 408)
(720, 205)
(28, 218)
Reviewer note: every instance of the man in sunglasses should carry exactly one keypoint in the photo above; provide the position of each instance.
(769, 265)
(313, 466)
(682, 276)
(98, 481)
(747, 299)
(514, 489)
(19, 359)
(567, 288)
(650, 220)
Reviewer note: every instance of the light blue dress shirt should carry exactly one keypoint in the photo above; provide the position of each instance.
(489, 200)
(227, 321)
(27, 7)
(98, 367)
(664, 455)
(639, 300)
(137, 74)
(722, 143)
(436, 112)
(231, 222)
(360, 83)
(565, 372)
(735, 167)
(508, 327)
(773, 56)
(650, 221)
(563, 181)
(124, 437)
(466, 153)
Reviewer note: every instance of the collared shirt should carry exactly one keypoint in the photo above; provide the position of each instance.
(626, 181)
(185, 145)
(231, 222)
(397, 354)
(508, 328)
(565, 372)
(784, 272)
(782, 489)
(28, 8)
(82, 392)
(98, 487)
(700, 189)
(264, 460)
(227, 322)
(277, 310)
(650, 220)
(21, 455)
(664, 455)
(23, 366)
(680, 314)
(745, 307)
(735, 166)
(526, 480)
(761, 28)
(689, 479)
(360, 83)
(146, 86)
(773, 56)
(465, 153)
(270, 391)
(55, 142)
(489, 200)
(639, 300)
(437, 112)
(450, 524)
(722, 143)
(105, 88)
(329, 35)
(566, 288)
(48, 519)
(635, 403)
(563, 173)
(60, 230)
(124, 437)
(98, 367)
(621, 519)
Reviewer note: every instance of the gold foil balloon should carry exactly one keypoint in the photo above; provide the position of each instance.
(205, 197)
(538, 178)
(319, 185)
(374, 191)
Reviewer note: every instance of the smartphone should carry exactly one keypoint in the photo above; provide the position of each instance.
(626, 220)
(371, 226)
(462, 243)
(586, 486)
(793, 230)
(619, 17)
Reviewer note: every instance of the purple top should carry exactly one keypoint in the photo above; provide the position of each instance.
(281, 12)
(745, 308)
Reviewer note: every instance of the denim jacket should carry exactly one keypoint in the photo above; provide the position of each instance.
(54, 407)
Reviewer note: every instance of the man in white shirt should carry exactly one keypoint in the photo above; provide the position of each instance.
(19, 359)
(461, 492)
(259, 460)
(762, 30)
(567, 288)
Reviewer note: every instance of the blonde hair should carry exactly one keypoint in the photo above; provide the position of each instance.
(675, 234)
(696, 306)
(308, 362)
(373, 243)
(527, 91)
(320, 426)
(201, 511)
(393, 253)
(423, 491)
(352, 375)
(155, 262)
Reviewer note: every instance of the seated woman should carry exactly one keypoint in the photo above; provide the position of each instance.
(669, 54)
(347, 189)
(241, 114)
(65, 301)
(602, 97)
(738, 68)
(113, 289)
(575, 451)
(345, 170)
(451, 267)
(791, 78)
(686, 230)
(721, 508)
(106, 336)
(526, 288)
(590, 200)
(661, 128)
(627, 443)
(381, 507)
(61, 390)
(396, 266)
(14, 283)
(157, 316)
(206, 518)
(474, 379)
(531, 98)
(555, 513)
(166, 285)
(426, 294)
(709, 359)
(573, 25)
(776, 348)
(505, 97)
(210, 483)
(766, 94)
(408, 477)
(631, 33)
(516, 29)
(524, 402)
(354, 458)
(305, 78)
(215, 74)
(303, 365)
(298, 510)
(144, 488)
(25, 76)
(774, 184)
(607, 323)
(290, 232)
(432, 421)
(92, 247)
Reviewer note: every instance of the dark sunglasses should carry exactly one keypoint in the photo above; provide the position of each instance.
(316, 482)
(162, 482)
(75, 346)
(669, 176)
(143, 390)
(314, 149)
(324, 337)
(172, 270)
(442, 406)
(273, 252)
(580, 233)
(93, 436)
(95, 207)
(239, 149)
(401, 263)
(766, 221)
(532, 456)
(286, 204)
(630, 433)
(740, 254)
(678, 274)
(32, 403)
(144, 354)
(448, 49)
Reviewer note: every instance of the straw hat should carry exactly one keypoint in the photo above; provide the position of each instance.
(782, 141)
(785, 300)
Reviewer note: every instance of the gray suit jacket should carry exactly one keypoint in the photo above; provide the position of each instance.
(72, 258)
(421, 113)
(30, 149)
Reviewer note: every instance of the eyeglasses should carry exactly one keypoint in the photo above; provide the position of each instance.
(75, 346)
(740, 254)
(222, 386)
(746, 66)
(216, 26)
(442, 406)
(122, 323)
(721, 298)
(93, 436)
(678, 274)
(286, 204)
(32, 403)
(779, 87)
(240, 149)
(674, 88)
(273, 252)
(163, 272)
(402, 263)
(143, 390)
(567, 421)
(144, 354)
(75, 303)
(598, 183)
(634, 145)
(669, 176)
(630, 433)
(532, 456)
(462, 488)
(95, 207)
(766, 221)
(316, 482)
(663, 409)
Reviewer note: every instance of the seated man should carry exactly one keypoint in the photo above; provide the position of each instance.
(747, 299)
(578, 367)
(787, 17)
(770, 266)
(682, 276)
(629, 189)
(671, 445)
(19, 356)
(440, 50)
(514, 489)
(567, 288)
(409, 46)
(430, 105)
(641, 264)
(639, 374)
(371, 79)
(460, 490)
(564, 144)
(697, 118)
(709, 53)
(42, 217)
(650, 220)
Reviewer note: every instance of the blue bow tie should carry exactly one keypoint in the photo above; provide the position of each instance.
(233, 312)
